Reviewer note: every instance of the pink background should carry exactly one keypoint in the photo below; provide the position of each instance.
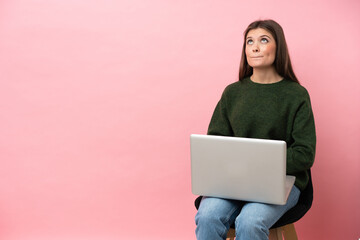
(98, 98)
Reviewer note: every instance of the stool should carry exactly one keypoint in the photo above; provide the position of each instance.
(286, 232)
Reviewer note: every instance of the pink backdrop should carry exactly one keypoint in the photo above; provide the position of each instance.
(98, 98)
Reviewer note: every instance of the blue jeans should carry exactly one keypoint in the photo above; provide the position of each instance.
(252, 220)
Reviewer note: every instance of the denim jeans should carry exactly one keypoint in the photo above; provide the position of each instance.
(252, 220)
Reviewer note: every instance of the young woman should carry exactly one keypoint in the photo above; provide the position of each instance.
(269, 103)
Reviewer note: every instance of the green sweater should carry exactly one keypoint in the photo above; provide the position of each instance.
(280, 111)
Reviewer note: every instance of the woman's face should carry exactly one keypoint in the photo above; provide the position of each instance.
(260, 48)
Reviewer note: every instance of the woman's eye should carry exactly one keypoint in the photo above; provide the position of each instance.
(264, 40)
(249, 41)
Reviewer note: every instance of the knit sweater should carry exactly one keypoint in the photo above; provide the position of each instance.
(279, 111)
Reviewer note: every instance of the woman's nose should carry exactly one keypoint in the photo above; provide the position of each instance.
(255, 49)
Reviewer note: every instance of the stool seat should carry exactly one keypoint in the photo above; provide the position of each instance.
(286, 232)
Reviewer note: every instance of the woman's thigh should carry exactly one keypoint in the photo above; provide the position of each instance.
(267, 214)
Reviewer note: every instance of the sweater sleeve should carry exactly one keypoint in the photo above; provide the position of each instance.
(220, 124)
(301, 153)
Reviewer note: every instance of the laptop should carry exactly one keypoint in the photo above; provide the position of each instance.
(240, 168)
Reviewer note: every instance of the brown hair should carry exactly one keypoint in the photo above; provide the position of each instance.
(282, 61)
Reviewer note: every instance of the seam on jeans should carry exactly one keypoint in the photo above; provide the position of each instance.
(227, 218)
(231, 213)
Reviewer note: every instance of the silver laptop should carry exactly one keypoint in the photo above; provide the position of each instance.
(240, 168)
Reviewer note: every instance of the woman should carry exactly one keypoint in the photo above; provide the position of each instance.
(269, 103)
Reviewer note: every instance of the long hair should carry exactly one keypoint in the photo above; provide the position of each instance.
(282, 61)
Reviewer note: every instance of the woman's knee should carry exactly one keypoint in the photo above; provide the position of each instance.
(206, 217)
(214, 211)
(210, 223)
(250, 225)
